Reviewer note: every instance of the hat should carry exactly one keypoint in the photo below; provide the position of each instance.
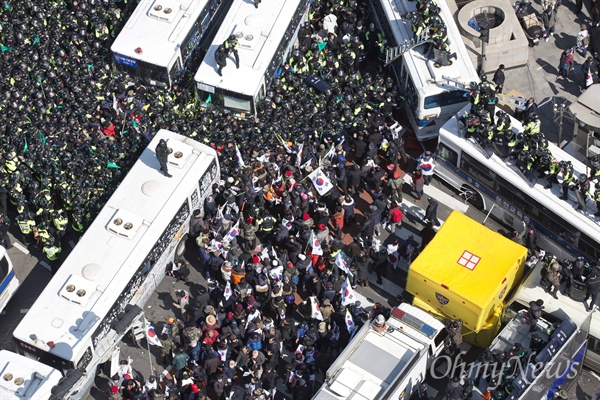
(288, 173)
(302, 257)
(231, 363)
(211, 320)
(329, 284)
(171, 320)
(373, 207)
(322, 227)
(195, 388)
(357, 303)
(255, 259)
(391, 167)
(326, 302)
(114, 389)
(322, 327)
(286, 290)
(305, 216)
(304, 196)
(251, 299)
(275, 263)
(396, 174)
(248, 220)
(209, 310)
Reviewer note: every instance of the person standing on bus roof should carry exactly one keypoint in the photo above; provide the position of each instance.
(499, 78)
(231, 46)
(221, 59)
(162, 154)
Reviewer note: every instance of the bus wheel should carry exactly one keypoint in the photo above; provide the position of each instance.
(472, 196)
(180, 250)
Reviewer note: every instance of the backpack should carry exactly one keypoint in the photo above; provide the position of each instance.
(289, 299)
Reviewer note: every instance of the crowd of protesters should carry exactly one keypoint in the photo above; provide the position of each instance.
(73, 127)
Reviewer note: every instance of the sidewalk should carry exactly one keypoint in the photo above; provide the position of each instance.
(538, 78)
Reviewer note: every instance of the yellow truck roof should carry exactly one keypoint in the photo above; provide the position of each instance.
(466, 270)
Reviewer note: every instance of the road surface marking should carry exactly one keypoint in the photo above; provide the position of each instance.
(46, 265)
(21, 247)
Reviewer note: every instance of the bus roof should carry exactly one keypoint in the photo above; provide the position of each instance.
(587, 222)
(108, 254)
(421, 68)
(373, 362)
(24, 378)
(260, 32)
(157, 32)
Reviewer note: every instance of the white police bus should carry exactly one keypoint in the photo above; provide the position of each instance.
(265, 35)
(430, 99)
(8, 281)
(497, 186)
(100, 290)
(23, 378)
(160, 37)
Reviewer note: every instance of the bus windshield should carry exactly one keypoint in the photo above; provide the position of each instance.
(149, 73)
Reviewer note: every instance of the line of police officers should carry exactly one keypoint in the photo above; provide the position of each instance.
(529, 148)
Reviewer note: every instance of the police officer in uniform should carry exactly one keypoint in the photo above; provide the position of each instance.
(221, 59)
(231, 46)
(568, 176)
(26, 224)
(162, 153)
(51, 249)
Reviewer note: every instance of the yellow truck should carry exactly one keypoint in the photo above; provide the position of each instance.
(466, 272)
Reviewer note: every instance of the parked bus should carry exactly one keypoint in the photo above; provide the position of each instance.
(22, 378)
(8, 281)
(430, 98)
(100, 290)
(556, 310)
(160, 37)
(265, 35)
(497, 186)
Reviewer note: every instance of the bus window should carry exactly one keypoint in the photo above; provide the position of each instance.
(446, 98)
(447, 154)
(175, 70)
(475, 168)
(587, 247)
(411, 92)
